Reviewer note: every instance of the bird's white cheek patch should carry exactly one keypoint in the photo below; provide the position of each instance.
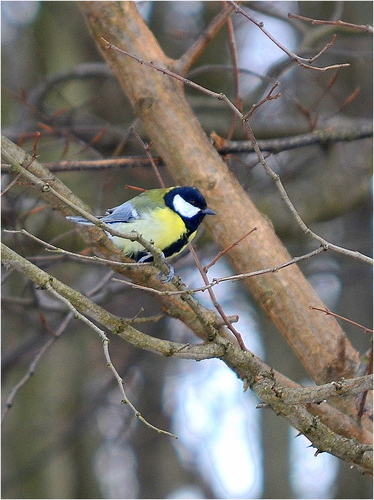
(183, 208)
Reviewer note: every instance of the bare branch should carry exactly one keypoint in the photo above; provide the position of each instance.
(319, 393)
(116, 325)
(289, 204)
(236, 80)
(192, 54)
(71, 165)
(357, 27)
(13, 393)
(233, 277)
(147, 148)
(223, 252)
(322, 137)
(87, 258)
(268, 97)
(223, 146)
(326, 311)
(301, 61)
(216, 304)
(105, 342)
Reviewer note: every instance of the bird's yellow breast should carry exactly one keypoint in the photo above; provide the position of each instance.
(162, 226)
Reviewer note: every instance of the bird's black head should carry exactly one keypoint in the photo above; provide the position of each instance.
(189, 204)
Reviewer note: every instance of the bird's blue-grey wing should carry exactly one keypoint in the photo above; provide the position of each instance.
(123, 213)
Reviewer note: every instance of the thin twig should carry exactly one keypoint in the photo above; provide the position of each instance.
(322, 137)
(77, 165)
(301, 61)
(191, 55)
(165, 71)
(357, 27)
(105, 341)
(275, 177)
(146, 148)
(330, 313)
(234, 277)
(89, 258)
(12, 183)
(324, 49)
(45, 348)
(275, 269)
(30, 372)
(235, 64)
(227, 249)
(268, 97)
(327, 136)
(216, 304)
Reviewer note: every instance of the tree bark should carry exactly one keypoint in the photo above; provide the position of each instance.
(159, 101)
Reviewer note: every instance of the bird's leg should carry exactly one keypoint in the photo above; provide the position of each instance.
(164, 278)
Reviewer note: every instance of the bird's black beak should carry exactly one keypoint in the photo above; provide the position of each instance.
(208, 211)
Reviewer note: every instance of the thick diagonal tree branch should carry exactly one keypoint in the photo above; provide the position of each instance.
(309, 420)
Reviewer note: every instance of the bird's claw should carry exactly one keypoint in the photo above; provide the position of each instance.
(165, 278)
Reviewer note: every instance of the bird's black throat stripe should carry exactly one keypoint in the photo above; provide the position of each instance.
(172, 249)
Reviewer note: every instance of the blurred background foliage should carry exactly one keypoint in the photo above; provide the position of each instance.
(67, 436)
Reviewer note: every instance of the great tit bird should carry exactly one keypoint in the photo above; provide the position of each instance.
(167, 217)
